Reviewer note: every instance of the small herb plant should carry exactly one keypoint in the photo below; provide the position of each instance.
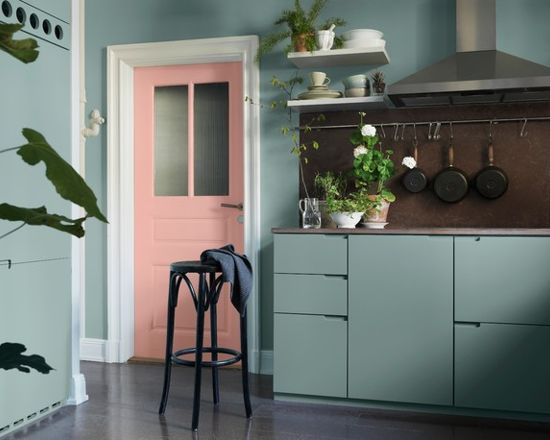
(329, 184)
(353, 202)
(378, 82)
(372, 166)
(301, 28)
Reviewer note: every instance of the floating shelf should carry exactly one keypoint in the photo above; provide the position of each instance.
(338, 104)
(339, 57)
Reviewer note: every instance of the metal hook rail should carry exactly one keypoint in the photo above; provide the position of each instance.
(523, 132)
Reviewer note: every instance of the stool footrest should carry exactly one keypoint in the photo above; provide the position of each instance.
(237, 356)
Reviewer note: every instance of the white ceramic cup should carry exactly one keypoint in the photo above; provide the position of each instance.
(325, 40)
(319, 79)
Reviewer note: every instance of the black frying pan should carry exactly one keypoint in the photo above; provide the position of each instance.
(415, 180)
(451, 183)
(491, 182)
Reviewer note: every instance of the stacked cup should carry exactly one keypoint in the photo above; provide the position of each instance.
(356, 86)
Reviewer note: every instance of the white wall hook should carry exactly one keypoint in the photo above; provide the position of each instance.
(96, 120)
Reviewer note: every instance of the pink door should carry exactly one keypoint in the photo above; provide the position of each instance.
(188, 161)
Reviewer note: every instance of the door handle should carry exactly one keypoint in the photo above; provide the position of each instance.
(238, 206)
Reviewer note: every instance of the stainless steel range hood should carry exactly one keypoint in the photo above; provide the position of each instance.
(477, 73)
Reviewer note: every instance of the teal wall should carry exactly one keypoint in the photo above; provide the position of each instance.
(418, 33)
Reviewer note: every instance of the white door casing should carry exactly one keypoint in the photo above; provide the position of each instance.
(121, 61)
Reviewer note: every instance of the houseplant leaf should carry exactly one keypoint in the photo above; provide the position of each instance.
(41, 217)
(68, 183)
(12, 357)
(24, 50)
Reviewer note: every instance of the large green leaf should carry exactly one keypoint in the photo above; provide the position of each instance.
(41, 217)
(68, 183)
(12, 357)
(23, 50)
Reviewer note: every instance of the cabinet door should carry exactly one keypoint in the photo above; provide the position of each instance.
(311, 254)
(502, 280)
(503, 367)
(310, 355)
(401, 319)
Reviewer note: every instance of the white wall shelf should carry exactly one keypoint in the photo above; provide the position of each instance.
(338, 104)
(339, 57)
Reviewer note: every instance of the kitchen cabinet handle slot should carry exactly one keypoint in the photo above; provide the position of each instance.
(339, 277)
(335, 318)
(468, 324)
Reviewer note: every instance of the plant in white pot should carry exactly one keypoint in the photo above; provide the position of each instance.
(372, 168)
(344, 210)
(324, 184)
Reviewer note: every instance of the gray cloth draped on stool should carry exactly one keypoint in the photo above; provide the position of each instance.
(236, 269)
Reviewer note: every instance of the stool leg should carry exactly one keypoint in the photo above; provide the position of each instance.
(214, 338)
(244, 366)
(198, 355)
(172, 302)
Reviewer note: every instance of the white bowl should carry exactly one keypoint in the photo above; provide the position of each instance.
(362, 34)
(346, 219)
(376, 43)
(356, 92)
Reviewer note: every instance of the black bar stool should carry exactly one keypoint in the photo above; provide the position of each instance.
(206, 297)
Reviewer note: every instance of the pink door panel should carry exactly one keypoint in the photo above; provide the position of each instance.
(188, 161)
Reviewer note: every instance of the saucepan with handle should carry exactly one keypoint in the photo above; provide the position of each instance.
(451, 183)
(491, 182)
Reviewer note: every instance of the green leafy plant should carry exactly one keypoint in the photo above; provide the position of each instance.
(301, 28)
(372, 166)
(352, 202)
(291, 129)
(329, 184)
(67, 182)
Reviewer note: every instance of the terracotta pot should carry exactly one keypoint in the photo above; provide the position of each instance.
(380, 214)
(300, 42)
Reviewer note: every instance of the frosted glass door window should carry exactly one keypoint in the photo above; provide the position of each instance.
(171, 141)
(211, 125)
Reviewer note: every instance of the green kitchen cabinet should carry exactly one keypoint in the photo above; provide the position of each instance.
(502, 280)
(401, 319)
(311, 254)
(502, 367)
(310, 354)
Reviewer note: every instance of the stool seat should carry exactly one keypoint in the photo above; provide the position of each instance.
(194, 267)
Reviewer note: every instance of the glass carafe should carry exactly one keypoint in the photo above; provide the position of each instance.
(311, 215)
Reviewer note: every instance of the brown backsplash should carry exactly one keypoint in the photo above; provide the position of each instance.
(525, 160)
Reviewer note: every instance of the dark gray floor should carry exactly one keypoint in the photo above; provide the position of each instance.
(124, 399)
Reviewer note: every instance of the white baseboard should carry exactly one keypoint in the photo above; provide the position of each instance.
(93, 350)
(266, 362)
(78, 390)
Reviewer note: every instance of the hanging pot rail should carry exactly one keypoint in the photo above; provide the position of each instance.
(523, 132)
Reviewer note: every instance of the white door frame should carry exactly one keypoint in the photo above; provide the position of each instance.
(121, 61)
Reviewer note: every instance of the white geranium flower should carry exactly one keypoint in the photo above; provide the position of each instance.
(359, 150)
(409, 162)
(368, 130)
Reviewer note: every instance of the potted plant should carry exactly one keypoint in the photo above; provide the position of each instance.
(378, 83)
(346, 210)
(301, 29)
(372, 168)
(325, 184)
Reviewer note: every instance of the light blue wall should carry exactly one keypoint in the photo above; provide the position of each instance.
(418, 33)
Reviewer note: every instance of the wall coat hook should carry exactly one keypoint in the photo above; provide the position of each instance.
(95, 122)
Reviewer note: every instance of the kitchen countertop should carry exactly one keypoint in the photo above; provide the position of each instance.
(395, 230)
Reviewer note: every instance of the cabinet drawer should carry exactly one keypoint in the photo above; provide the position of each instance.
(502, 280)
(502, 367)
(310, 355)
(311, 294)
(311, 254)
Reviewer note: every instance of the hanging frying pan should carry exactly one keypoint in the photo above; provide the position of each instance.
(491, 182)
(415, 180)
(451, 183)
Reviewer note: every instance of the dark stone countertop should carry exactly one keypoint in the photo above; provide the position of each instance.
(395, 230)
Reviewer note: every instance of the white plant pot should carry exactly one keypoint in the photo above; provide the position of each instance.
(346, 219)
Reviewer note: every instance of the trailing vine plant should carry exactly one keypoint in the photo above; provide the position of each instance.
(67, 182)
